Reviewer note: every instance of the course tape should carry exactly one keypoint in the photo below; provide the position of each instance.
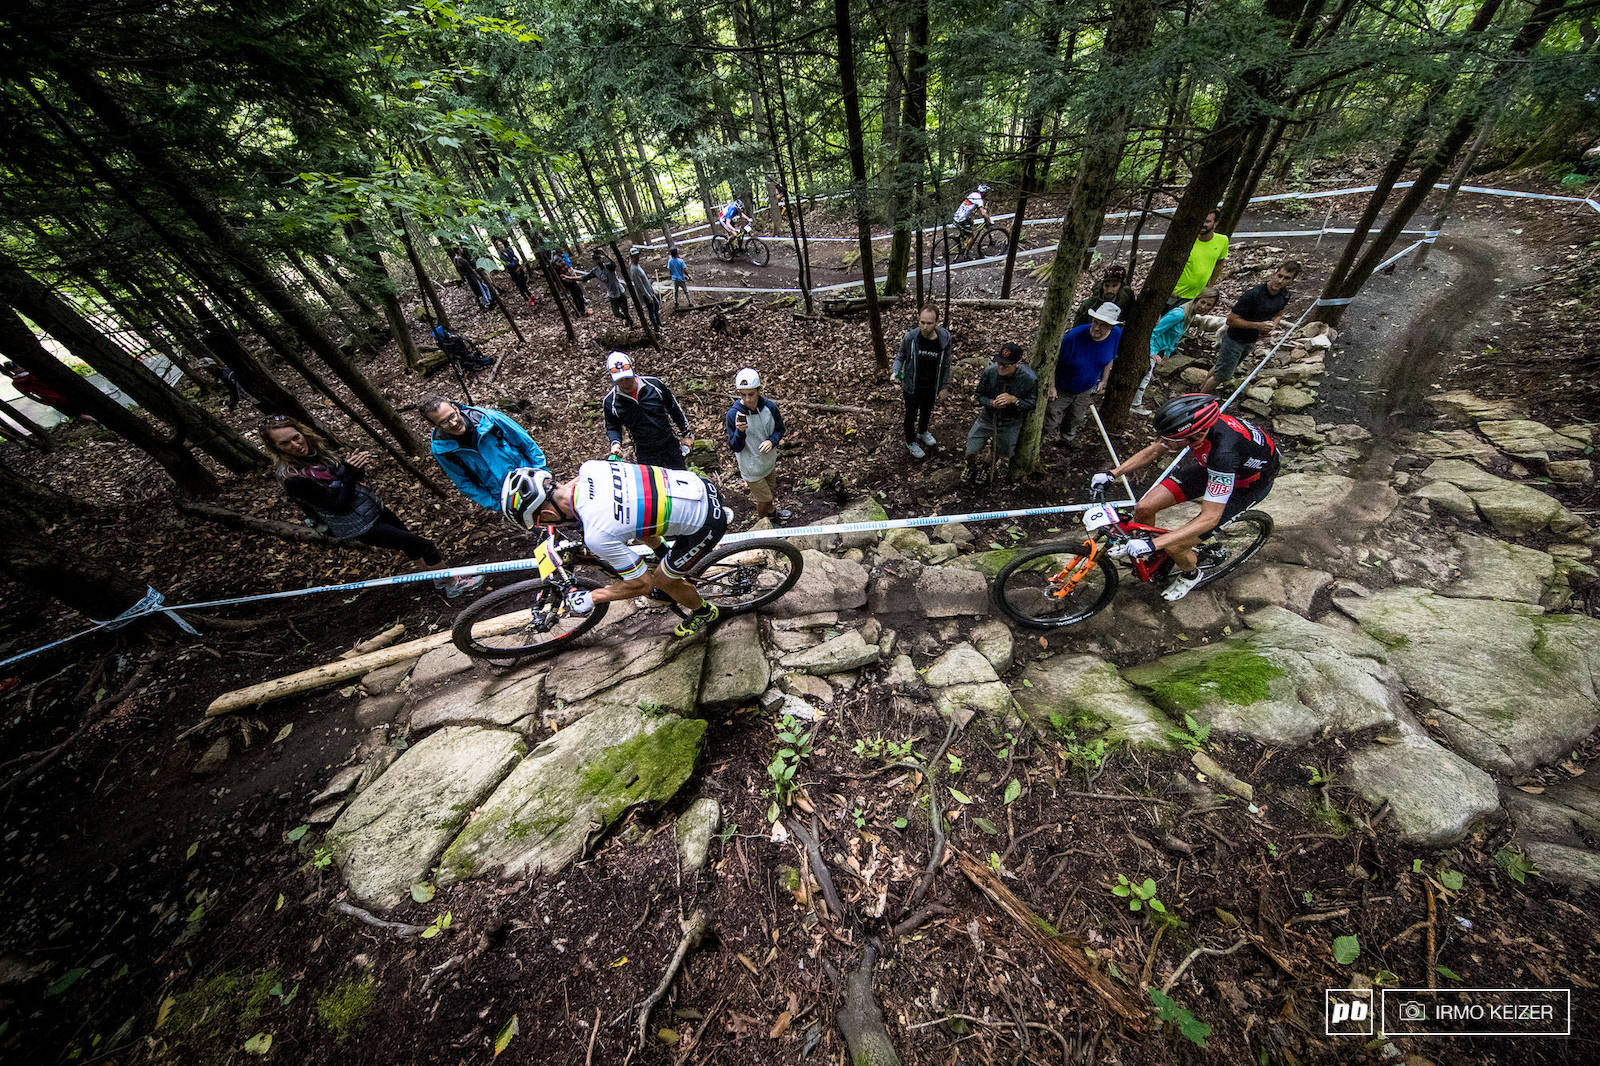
(152, 602)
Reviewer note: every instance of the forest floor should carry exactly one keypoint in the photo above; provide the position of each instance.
(130, 882)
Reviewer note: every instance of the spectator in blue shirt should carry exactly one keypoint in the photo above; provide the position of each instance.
(1170, 330)
(477, 448)
(1082, 371)
(680, 276)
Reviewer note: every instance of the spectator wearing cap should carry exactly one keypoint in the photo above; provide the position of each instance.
(1113, 287)
(607, 273)
(1082, 369)
(1007, 391)
(643, 288)
(646, 408)
(922, 367)
(754, 429)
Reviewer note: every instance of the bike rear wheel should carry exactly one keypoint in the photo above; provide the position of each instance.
(722, 248)
(744, 577)
(1233, 544)
(523, 621)
(993, 241)
(757, 250)
(1054, 585)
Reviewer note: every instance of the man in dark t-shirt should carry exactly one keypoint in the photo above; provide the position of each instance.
(1258, 310)
(922, 367)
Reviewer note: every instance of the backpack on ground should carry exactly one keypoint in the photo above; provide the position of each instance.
(464, 354)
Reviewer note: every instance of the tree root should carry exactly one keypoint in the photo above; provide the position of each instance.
(1195, 954)
(919, 919)
(819, 868)
(397, 928)
(936, 859)
(861, 1021)
(694, 930)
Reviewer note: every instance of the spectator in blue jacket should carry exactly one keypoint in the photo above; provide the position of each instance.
(477, 448)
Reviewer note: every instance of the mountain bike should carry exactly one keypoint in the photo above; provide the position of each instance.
(985, 241)
(530, 620)
(1062, 584)
(746, 242)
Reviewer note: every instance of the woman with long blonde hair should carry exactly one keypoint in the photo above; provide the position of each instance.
(330, 490)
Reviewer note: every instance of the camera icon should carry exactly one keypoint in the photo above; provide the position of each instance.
(1412, 1011)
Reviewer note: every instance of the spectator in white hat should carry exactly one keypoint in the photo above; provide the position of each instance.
(754, 429)
(1082, 370)
(646, 408)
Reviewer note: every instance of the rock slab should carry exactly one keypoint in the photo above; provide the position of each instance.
(390, 835)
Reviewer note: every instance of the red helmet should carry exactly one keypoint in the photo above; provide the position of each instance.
(1186, 415)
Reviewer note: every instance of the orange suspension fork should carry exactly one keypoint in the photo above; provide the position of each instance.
(1067, 579)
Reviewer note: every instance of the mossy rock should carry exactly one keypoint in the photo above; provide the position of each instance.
(572, 786)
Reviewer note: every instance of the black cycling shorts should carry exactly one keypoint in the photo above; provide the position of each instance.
(690, 550)
(1188, 482)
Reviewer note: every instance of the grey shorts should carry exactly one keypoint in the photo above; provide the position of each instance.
(1229, 353)
(1005, 439)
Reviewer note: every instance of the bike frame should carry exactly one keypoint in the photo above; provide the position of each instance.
(1120, 530)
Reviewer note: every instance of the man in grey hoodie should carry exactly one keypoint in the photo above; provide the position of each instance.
(922, 368)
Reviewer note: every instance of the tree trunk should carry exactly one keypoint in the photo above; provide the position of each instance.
(621, 263)
(39, 560)
(1033, 138)
(32, 298)
(912, 145)
(31, 432)
(164, 171)
(19, 344)
(425, 287)
(361, 238)
(1485, 130)
(1129, 31)
(858, 172)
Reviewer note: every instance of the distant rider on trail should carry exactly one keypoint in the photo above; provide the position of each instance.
(617, 502)
(731, 217)
(973, 204)
(1230, 468)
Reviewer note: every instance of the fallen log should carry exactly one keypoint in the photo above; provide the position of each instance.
(382, 640)
(832, 408)
(345, 669)
(234, 520)
(1066, 951)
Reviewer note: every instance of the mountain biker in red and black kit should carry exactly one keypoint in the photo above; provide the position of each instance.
(1229, 469)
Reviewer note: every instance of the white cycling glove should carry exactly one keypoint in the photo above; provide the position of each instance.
(1099, 480)
(579, 601)
(1132, 549)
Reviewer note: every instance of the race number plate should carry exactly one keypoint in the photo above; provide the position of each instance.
(548, 561)
(1099, 517)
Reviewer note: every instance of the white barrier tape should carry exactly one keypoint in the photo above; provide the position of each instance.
(1335, 303)
(152, 603)
(1399, 255)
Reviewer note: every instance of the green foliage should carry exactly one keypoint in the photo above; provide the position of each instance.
(1141, 896)
(794, 747)
(1192, 735)
(1189, 1027)
(1088, 755)
(1346, 949)
(874, 748)
(1517, 865)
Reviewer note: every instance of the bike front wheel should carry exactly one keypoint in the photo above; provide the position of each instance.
(943, 247)
(993, 241)
(722, 248)
(744, 577)
(527, 620)
(1230, 546)
(757, 250)
(1055, 585)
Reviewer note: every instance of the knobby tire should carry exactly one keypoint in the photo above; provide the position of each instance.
(722, 248)
(1244, 536)
(992, 241)
(516, 597)
(1020, 590)
(756, 249)
(719, 582)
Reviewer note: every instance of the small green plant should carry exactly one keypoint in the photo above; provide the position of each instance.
(1516, 864)
(1189, 1027)
(860, 817)
(1139, 895)
(437, 926)
(323, 858)
(1006, 749)
(1317, 777)
(1192, 735)
(955, 761)
(794, 746)
(1087, 754)
(879, 748)
(1272, 849)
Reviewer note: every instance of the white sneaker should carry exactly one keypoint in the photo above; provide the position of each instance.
(1182, 585)
(916, 450)
(458, 586)
(1141, 409)
(927, 439)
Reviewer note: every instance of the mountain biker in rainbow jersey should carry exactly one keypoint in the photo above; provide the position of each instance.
(1230, 468)
(731, 216)
(974, 202)
(618, 502)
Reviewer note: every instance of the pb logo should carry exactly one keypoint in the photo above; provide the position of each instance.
(1347, 1011)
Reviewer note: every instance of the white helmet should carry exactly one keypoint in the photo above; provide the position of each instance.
(983, 188)
(523, 493)
(747, 378)
(738, 205)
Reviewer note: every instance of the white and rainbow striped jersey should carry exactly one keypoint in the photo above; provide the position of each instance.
(619, 502)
